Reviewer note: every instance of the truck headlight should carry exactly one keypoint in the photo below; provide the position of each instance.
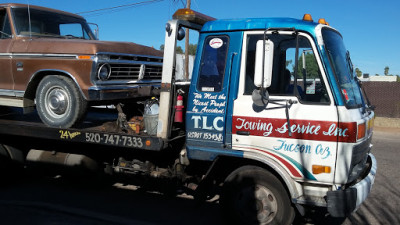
(104, 72)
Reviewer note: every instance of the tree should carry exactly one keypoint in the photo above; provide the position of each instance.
(288, 62)
(312, 70)
(358, 72)
(192, 49)
(386, 71)
(178, 49)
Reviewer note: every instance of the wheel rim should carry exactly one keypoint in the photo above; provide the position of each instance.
(57, 102)
(257, 203)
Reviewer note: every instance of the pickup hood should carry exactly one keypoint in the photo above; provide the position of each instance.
(78, 46)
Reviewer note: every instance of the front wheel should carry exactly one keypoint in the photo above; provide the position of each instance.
(252, 195)
(59, 102)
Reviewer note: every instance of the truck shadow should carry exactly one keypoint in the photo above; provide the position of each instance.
(107, 202)
(103, 204)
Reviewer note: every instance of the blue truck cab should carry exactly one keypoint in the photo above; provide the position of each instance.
(275, 107)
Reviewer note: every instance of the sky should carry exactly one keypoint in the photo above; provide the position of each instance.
(370, 28)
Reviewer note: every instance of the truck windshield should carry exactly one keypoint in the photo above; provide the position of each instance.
(343, 68)
(50, 24)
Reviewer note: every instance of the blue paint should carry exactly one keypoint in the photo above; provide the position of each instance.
(209, 154)
(258, 24)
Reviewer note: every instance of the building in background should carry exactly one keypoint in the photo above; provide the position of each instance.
(367, 77)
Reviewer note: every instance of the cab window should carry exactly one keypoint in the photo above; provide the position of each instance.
(212, 65)
(307, 85)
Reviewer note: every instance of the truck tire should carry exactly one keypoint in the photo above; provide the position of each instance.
(11, 163)
(252, 195)
(59, 102)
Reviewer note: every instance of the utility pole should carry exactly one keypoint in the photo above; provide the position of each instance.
(187, 46)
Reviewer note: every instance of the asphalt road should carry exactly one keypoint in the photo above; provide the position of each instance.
(48, 201)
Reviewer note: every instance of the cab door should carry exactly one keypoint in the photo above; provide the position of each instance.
(208, 101)
(6, 41)
(298, 101)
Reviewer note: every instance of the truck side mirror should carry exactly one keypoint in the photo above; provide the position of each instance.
(264, 63)
(95, 29)
(181, 34)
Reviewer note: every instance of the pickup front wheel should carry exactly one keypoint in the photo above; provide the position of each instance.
(59, 102)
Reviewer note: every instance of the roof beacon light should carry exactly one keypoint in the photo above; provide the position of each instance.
(192, 16)
(307, 17)
(323, 21)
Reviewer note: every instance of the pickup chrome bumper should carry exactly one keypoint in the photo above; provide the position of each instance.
(119, 92)
(343, 202)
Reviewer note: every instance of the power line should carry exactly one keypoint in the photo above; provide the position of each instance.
(115, 8)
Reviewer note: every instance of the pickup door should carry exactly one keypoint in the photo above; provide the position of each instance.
(6, 41)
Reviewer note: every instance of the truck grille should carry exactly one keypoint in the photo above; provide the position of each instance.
(135, 72)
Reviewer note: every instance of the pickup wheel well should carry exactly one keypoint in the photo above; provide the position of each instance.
(30, 92)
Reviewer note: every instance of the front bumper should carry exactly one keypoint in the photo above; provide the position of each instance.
(119, 92)
(343, 202)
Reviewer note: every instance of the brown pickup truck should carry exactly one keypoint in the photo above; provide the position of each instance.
(52, 60)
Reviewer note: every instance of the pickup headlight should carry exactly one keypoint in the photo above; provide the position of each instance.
(104, 72)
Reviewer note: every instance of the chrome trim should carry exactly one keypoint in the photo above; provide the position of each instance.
(183, 82)
(33, 55)
(141, 71)
(5, 55)
(11, 101)
(20, 94)
(126, 82)
(7, 92)
(101, 67)
(118, 92)
(126, 54)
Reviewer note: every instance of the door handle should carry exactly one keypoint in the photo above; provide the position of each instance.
(247, 133)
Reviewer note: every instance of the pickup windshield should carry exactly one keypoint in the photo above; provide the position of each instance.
(50, 24)
(343, 68)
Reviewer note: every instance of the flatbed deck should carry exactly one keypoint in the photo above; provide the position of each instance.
(99, 127)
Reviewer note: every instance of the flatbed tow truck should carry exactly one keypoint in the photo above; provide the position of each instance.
(271, 139)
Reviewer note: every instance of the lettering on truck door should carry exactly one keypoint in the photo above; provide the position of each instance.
(209, 92)
(313, 118)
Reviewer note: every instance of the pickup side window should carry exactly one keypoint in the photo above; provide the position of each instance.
(212, 65)
(308, 86)
(5, 29)
(72, 29)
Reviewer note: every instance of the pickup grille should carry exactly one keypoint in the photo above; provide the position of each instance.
(129, 67)
(135, 72)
